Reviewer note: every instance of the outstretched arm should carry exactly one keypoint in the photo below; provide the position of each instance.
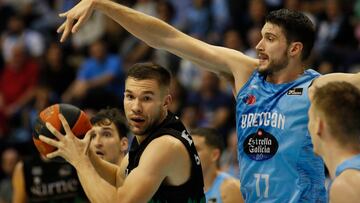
(159, 34)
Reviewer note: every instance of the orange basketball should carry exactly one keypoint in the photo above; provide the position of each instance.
(76, 118)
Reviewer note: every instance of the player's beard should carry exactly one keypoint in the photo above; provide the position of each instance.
(276, 65)
(151, 126)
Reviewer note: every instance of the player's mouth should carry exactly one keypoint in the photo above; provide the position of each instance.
(137, 119)
(99, 153)
(263, 57)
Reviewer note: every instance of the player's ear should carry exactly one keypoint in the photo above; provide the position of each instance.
(320, 127)
(295, 48)
(124, 144)
(168, 100)
(216, 154)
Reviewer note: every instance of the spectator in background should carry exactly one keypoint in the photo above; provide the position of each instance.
(253, 37)
(335, 37)
(219, 186)
(18, 82)
(197, 23)
(255, 17)
(100, 80)
(220, 20)
(54, 67)
(17, 33)
(178, 95)
(214, 105)
(9, 158)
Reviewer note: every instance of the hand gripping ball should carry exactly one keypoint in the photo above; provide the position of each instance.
(76, 118)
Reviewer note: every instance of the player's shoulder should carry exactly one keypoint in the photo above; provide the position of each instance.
(167, 144)
(230, 184)
(346, 187)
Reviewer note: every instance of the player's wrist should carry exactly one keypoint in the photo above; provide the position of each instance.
(82, 163)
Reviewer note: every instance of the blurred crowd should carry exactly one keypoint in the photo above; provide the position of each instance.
(88, 70)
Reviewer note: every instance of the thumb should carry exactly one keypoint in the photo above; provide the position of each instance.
(87, 140)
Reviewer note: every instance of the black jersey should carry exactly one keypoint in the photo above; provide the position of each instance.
(190, 191)
(52, 182)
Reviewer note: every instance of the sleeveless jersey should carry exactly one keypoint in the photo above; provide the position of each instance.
(190, 191)
(52, 182)
(275, 153)
(352, 163)
(213, 195)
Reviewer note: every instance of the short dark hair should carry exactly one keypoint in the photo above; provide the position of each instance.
(296, 26)
(340, 104)
(212, 137)
(111, 115)
(142, 71)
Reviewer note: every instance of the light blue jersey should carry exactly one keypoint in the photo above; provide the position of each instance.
(352, 163)
(213, 195)
(276, 158)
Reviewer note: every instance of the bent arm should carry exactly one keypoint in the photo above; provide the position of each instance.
(96, 188)
(141, 184)
(112, 173)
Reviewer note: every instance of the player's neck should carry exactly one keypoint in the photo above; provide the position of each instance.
(286, 75)
(335, 156)
(210, 177)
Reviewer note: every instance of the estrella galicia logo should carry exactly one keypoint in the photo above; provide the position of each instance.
(249, 99)
(295, 91)
(260, 146)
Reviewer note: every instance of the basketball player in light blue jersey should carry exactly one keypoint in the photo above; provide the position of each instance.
(220, 187)
(277, 163)
(334, 124)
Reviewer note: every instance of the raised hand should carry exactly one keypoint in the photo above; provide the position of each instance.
(69, 147)
(80, 13)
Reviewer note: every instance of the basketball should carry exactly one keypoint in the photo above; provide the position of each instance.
(76, 118)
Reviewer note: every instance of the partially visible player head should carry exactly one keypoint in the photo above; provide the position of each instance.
(209, 146)
(147, 97)
(286, 35)
(334, 117)
(109, 135)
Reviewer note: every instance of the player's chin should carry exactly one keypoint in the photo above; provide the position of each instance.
(137, 130)
(263, 68)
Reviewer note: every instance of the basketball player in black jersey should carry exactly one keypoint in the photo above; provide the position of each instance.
(162, 165)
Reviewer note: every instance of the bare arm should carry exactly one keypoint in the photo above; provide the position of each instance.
(159, 34)
(352, 78)
(230, 191)
(171, 164)
(112, 173)
(18, 182)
